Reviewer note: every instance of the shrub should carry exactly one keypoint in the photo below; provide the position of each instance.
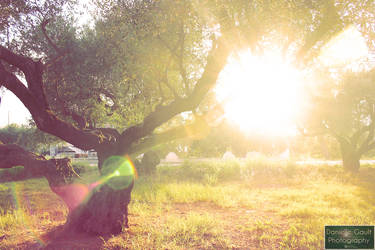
(148, 164)
(210, 172)
(82, 167)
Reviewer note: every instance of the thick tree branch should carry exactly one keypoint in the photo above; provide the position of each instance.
(32, 70)
(58, 172)
(198, 129)
(21, 62)
(11, 82)
(12, 155)
(47, 121)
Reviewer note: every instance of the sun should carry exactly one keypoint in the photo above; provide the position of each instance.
(264, 94)
(261, 94)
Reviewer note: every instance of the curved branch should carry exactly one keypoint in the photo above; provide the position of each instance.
(47, 121)
(32, 70)
(49, 40)
(11, 82)
(21, 62)
(58, 172)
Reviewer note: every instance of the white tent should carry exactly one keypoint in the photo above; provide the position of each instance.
(228, 156)
(171, 157)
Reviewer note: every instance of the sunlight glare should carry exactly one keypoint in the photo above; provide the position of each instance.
(346, 48)
(261, 94)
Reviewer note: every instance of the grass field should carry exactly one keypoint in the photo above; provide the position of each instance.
(205, 205)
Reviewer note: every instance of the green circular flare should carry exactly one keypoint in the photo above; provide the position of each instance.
(118, 172)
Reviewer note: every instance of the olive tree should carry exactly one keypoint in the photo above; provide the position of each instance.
(119, 88)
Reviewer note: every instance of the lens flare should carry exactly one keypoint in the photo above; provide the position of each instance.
(118, 172)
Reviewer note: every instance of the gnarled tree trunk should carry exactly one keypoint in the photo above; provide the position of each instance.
(104, 212)
(104, 209)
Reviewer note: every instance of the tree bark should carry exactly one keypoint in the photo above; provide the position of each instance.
(104, 212)
(104, 209)
(58, 172)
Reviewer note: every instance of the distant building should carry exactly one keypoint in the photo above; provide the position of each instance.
(60, 151)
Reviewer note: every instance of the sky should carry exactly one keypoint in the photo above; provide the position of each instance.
(12, 108)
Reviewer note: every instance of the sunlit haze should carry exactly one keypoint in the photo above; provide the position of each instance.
(345, 48)
(264, 94)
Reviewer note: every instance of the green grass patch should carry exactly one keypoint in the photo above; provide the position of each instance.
(193, 231)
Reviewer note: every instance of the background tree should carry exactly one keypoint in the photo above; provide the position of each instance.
(345, 108)
(28, 137)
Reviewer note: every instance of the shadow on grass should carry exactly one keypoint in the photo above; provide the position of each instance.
(58, 239)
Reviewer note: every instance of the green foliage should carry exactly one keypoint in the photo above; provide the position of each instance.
(27, 137)
(210, 172)
(147, 166)
(133, 59)
(11, 134)
(344, 104)
(19, 20)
